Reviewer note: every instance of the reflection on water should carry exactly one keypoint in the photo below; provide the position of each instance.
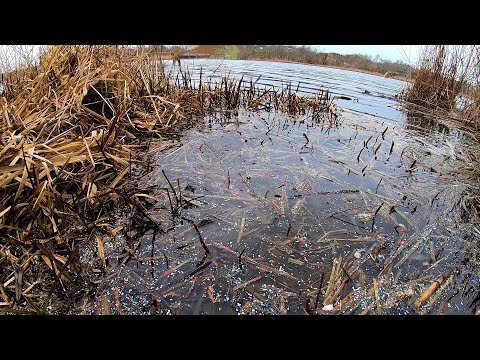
(272, 208)
(423, 121)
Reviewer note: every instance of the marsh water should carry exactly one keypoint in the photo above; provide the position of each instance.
(282, 203)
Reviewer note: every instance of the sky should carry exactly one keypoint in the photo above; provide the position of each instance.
(405, 53)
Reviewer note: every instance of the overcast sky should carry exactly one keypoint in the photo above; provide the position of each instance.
(406, 53)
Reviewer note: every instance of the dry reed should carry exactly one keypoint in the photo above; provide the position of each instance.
(447, 78)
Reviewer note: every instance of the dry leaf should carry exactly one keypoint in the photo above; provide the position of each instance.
(211, 294)
(364, 216)
(283, 309)
(245, 308)
(101, 250)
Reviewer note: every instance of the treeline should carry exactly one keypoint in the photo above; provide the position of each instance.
(305, 54)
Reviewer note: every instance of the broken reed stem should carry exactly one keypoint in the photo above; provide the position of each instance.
(429, 291)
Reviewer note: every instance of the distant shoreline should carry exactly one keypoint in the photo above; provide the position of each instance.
(401, 78)
(397, 77)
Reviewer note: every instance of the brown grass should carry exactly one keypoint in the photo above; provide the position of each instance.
(446, 77)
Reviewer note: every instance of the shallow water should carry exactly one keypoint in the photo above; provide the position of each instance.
(279, 200)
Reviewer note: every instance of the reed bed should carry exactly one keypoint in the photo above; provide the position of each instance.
(447, 78)
(74, 125)
(447, 81)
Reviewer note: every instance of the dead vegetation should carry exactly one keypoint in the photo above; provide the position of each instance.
(73, 127)
(447, 79)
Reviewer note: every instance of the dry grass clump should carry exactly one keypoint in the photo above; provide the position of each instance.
(70, 128)
(448, 79)
(67, 128)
